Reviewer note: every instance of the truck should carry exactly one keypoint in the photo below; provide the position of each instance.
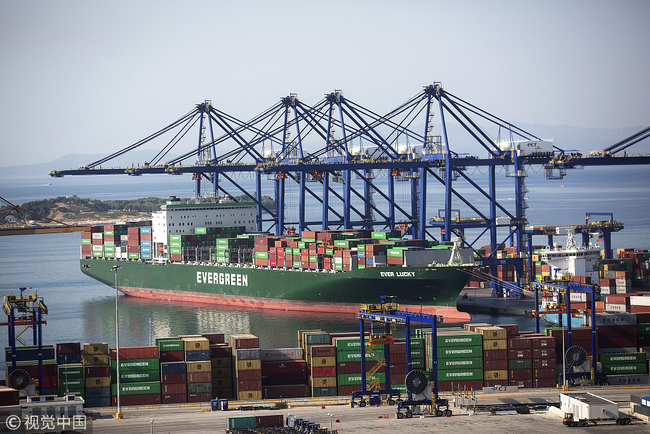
(582, 408)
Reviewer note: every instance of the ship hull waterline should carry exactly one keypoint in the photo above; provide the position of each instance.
(430, 290)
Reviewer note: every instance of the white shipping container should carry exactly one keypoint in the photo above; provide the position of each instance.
(98, 247)
(280, 354)
(609, 307)
(606, 290)
(622, 350)
(98, 235)
(588, 406)
(640, 300)
(623, 283)
(625, 380)
(613, 319)
(580, 296)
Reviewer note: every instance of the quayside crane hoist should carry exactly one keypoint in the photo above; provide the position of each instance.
(334, 154)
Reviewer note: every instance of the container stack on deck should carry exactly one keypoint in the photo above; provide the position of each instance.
(97, 375)
(323, 370)
(348, 367)
(222, 367)
(460, 362)
(27, 360)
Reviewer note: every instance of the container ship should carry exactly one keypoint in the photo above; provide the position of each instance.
(210, 253)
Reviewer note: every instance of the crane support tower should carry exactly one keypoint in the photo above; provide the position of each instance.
(25, 311)
(388, 315)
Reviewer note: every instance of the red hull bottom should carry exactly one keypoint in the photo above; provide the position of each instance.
(449, 313)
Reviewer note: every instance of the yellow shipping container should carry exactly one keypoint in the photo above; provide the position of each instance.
(93, 360)
(221, 362)
(501, 374)
(323, 382)
(199, 367)
(495, 344)
(249, 395)
(196, 344)
(249, 365)
(493, 332)
(95, 349)
(323, 362)
(98, 382)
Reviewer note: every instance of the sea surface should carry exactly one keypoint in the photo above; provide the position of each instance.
(83, 310)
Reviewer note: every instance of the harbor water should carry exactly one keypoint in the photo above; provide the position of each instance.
(83, 310)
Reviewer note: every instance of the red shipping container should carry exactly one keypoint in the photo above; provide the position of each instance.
(399, 370)
(173, 378)
(249, 385)
(284, 367)
(271, 420)
(286, 391)
(325, 371)
(68, 348)
(520, 374)
(493, 383)
(49, 369)
(398, 348)
(215, 338)
(8, 396)
(279, 379)
(615, 342)
(639, 309)
(544, 373)
(519, 354)
(199, 377)
(495, 355)
(49, 380)
(172, 356)
(618, 330)
(97, 371)
(251, 374)
(522, 383)
(544, 363)
(495, 365)
(542, 342)
(518, 343)
(545, 382)
(323, 351)
(398, 358)
(180, 398)
(130, 353)
(511, 329)
(220, 351)
(126, 400)
(544, 353)
(173, 388)
(199, 397)
(244, 341)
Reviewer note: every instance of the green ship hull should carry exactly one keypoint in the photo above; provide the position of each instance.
(428, 289)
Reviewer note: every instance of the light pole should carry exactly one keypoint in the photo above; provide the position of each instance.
(118, 415)
(330, 415)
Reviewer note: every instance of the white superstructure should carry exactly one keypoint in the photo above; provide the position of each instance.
(182, 218)
(571, 260)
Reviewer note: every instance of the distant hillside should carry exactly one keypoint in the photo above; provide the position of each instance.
(72, 208)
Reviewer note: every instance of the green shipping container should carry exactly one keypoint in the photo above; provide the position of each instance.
(520, 364)
(199, 387)
(126, 389)
(643, 329)
(86, 241)
(171, 345)
(460, 374)
(460, 340)
(71, 383)
(623, 359)
(630, 368)
(418, 364)
(262, 255)
(72, 370)
(242, 422)
(354, 379)
(134, 255)
(456, 364)
(136, 376)
(136, 364)
(353, 356)
(460, 353)
(317, 392)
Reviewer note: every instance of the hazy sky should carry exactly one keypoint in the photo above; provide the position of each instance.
(96, 76)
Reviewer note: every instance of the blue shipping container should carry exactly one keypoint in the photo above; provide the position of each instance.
(173, 368)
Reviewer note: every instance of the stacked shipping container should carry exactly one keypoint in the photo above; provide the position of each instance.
(97, 375)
